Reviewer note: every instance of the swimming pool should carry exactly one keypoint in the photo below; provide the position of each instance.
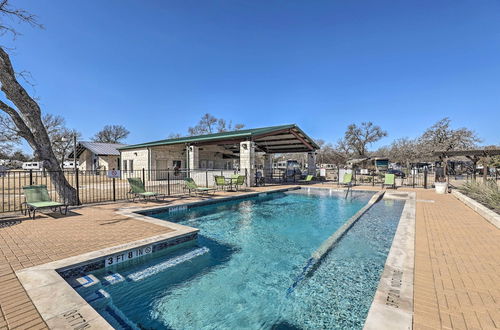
(248, 254)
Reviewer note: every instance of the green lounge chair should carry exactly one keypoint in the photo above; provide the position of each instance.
(238, 180)
(389, 181)
(37, 197)
(220, 182)
(192, 186)
(137, 190)
(347, 180)
(308, 179)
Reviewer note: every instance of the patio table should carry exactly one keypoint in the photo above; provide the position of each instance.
(230, 181)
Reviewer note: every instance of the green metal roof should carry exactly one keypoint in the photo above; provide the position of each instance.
(240, 134)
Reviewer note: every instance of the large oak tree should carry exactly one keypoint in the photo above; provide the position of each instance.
(24, 111)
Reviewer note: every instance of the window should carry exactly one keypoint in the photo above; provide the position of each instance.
(125, 165)
(131, 165)
(176, 164)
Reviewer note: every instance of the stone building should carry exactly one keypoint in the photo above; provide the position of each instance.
(226, 152)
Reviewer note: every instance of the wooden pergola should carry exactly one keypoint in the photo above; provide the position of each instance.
(474, 155)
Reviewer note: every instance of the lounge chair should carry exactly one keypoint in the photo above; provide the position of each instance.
(192, 186)
(220, 182)
(347, 180)
(137, 190)
(37, 197)
(389, 181)
(238, 180)
(308, 179)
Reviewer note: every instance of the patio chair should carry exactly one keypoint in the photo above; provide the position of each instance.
(137, 190)
(220, 182)
(37, 197)
(308, 179)
(238, 180)
(192, 186)
(389, 181)
(347, 180)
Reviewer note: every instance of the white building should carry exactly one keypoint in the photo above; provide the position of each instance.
(227, 151)
(92, 156)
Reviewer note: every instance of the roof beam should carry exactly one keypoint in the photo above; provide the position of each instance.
(219, 142)
(286, 130)
(301, 139)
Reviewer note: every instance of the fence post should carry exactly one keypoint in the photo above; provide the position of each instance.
(206, 178)
(31, 176)
(144, 176)
(77, 187)
(413, 177)
(114, 190)
(246, 177)
(373, 179)
(425, 178)
(168, 182)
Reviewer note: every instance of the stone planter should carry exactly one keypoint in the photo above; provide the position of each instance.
(441, 187)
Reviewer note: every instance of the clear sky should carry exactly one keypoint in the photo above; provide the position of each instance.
(157, 66)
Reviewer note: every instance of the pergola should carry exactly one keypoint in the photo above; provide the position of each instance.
(474, 155)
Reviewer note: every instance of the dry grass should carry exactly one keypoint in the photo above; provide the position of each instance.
(486, 193)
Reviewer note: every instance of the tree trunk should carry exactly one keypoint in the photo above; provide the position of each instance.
(27, 118)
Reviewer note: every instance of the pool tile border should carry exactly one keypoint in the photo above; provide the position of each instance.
(392, 306)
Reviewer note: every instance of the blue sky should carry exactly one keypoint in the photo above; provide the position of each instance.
(157, 66)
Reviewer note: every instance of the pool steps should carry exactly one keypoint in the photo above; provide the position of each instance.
(317, 256)
(155, 269)
(114, 278)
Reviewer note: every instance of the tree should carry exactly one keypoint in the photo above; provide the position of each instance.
(441, 137)
(25, 112)
(20, 156)
(330, 154)
(60, 136)
(358, 138)
(209, 124)
(111, 134)
(405, 151)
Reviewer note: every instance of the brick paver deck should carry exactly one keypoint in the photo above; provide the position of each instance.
(457, 261)
(457, 266)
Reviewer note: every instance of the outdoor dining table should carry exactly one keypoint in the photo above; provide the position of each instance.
(230, 182)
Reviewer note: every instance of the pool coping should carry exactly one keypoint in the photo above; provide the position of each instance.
(60, 305)
(392, 305)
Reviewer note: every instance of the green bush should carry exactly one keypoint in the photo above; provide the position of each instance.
(487, 193)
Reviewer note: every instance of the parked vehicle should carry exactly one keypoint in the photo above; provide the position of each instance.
(397, 173)
(36, 166)
(69, 164)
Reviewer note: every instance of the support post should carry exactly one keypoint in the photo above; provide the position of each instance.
(168, 182)
(114, 190)
(425, 178)
(247, 161)
(311, 163)
(77, 171)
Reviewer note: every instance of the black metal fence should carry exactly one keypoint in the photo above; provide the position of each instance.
(96, 186)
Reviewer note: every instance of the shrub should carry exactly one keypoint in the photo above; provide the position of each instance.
(487, 193)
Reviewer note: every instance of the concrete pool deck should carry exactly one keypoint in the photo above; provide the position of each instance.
(457, 257)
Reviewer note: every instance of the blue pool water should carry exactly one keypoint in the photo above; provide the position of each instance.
(249, 252)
